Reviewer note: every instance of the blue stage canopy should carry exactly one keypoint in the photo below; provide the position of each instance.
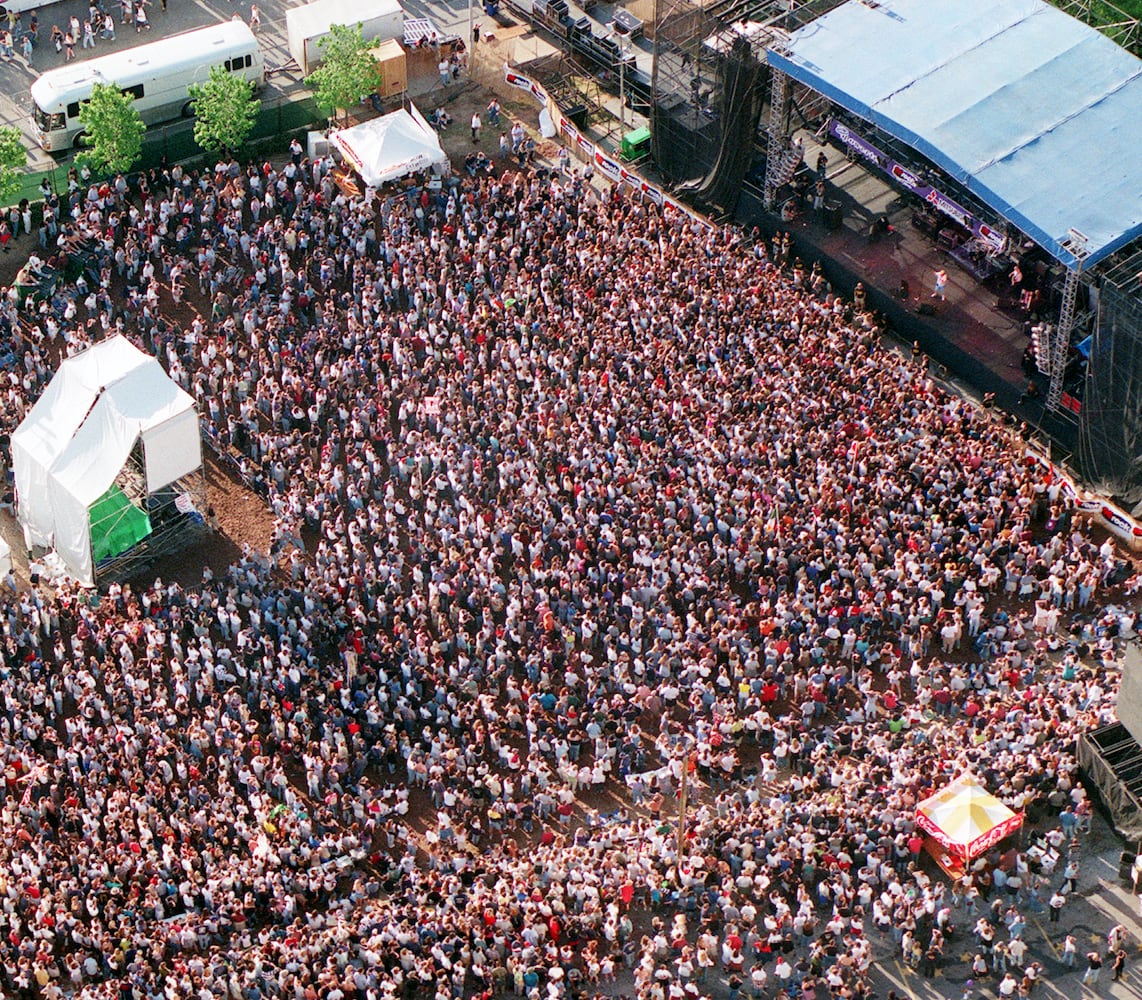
(1036, 114)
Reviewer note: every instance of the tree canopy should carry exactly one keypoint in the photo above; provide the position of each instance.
(113, 128)
(348, 71)
(225, 107)
(13, 158)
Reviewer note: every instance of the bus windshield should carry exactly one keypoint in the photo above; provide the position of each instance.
(44, 121)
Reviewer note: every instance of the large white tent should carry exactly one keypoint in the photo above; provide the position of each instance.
(390, 147)
(73, 443)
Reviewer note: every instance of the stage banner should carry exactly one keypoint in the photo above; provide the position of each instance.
(908, 180)
(607, 167)
(514, 79)
(653, 194)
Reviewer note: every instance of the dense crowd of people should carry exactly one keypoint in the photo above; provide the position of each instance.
(575, 501)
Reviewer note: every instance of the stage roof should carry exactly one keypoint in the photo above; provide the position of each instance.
(1032, 111)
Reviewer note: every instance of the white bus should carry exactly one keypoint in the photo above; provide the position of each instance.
(157, 75)
(19, 6)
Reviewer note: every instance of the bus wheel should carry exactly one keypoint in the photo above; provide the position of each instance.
(188, 109)
(81, 141)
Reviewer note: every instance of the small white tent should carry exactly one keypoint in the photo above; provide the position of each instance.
(73, 443)
(390, 147)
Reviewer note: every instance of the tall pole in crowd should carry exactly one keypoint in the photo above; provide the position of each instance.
(682, 808)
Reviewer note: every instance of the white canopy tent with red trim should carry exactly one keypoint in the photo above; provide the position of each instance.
(966, 819)
(390, 147)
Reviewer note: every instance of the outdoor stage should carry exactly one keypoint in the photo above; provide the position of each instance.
(960, 101)
(968, 335)
(969, 319)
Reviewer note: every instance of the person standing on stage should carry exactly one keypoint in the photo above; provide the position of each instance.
(941, 284)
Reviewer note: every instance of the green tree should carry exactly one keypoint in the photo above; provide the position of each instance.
(225, 109)
(113, 128)
(348, 71)
(13, 157)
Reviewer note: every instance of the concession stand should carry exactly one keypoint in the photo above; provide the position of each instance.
(390, 147)
(962, 821)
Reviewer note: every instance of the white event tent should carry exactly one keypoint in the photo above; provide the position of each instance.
(73, 443)
(390, 147)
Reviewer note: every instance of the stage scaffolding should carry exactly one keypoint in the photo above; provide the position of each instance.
(1125, 29)
(1112, 761)
(1110, 425)
(695, 110)
(134, 528)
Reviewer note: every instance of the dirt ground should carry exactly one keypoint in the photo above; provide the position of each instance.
(468, 96)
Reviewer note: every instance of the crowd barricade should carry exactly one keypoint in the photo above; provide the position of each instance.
(1098, 509)
(607, 165)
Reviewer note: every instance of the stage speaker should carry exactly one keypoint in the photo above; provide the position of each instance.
(926, 309)
(1129, 706)
(1126, 867)
(833, 216)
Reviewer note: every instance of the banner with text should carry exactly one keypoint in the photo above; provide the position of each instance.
(908, 180)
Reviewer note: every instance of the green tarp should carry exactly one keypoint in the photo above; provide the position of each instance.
(116, 525)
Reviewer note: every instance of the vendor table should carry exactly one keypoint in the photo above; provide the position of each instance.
(346, 182)
(951, 867)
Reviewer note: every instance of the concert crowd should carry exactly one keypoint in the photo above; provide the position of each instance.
(576, 503)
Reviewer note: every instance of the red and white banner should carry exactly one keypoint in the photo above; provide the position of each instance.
(993, 836)
(606, 165)
(1101, 510)
(938, 835)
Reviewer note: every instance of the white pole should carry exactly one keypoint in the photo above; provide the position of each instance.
(622, 81)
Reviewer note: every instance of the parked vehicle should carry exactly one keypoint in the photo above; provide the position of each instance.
(19, 6)
(308, 24)
(157, 75)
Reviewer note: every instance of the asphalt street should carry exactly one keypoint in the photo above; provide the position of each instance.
(17, 75)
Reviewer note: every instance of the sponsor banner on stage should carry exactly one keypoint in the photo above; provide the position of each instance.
(907, 179)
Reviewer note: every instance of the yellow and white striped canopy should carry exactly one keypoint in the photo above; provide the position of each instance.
(965, 817)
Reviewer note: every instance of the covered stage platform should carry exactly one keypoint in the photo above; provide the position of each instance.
(979, 139)
(967, 334)
(848, 233)
(1031, 111)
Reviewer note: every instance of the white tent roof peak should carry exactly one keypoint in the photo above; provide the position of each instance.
(72, 444)
(392, 146)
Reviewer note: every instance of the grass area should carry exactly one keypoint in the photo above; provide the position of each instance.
(1131, 7)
